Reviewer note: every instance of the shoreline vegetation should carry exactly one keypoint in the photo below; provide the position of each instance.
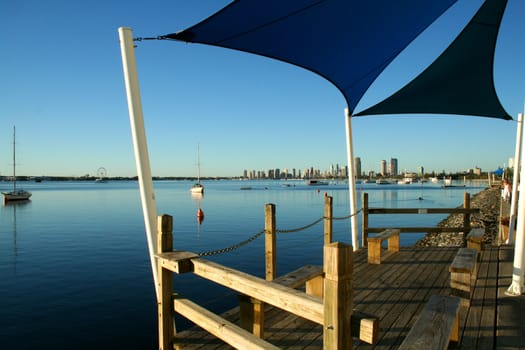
(393, 179)
(488, 201)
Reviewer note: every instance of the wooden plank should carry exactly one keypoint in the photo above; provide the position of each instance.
(252, 310)
(465, 261)
(384, 234)
(372, 211)
(432, 280)
(176, 261)
(410, 229)
(476, 233)
(218, 326)
(475, 239)
(487, 331)
(375, 253)
(427, 273)
(286, 298)
(511, 309)
(299, 277)
(435, 324)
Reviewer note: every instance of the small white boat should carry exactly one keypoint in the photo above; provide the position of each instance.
(15, 195)
(382, 182)
(198, 187)
(447, 182)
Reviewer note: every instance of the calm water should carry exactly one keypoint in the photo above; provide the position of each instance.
(74, 266)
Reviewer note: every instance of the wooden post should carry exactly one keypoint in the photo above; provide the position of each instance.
(251, 313)
(269, 242)
(165, 287)
(364, 234)
(328, 214)
(337, 297)
(466, 217)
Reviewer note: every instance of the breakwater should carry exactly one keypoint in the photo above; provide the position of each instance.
(488, 201)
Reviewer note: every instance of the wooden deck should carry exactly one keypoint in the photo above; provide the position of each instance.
(396, 292)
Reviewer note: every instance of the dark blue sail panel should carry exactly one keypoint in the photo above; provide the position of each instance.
(460, 81)
(348, 42)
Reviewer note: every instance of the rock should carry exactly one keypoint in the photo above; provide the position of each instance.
(488, 201)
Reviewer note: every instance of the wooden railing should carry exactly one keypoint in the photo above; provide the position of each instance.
(367, 211)
(332, 311)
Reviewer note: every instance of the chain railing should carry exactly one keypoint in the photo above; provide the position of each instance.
(282, 231)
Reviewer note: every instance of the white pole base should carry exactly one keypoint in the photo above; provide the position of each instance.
(515, 290)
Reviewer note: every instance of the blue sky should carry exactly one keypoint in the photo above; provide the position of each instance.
(61, 84)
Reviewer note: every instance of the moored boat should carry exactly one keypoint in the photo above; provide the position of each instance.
(316, 183)
(15, 194)
(198, 187)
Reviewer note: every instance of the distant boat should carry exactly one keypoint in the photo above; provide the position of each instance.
(382, 182)
(198, 187)
(15, 195)
(316, 183)
(447, 182)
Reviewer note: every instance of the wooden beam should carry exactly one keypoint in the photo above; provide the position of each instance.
(288, 299)
(218, 326)
(176, 261)
(423, 211)
(419, 229)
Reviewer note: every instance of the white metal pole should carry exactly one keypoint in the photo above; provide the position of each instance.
(351, 180)
(140, 145)
(517, 166)
(517, 287)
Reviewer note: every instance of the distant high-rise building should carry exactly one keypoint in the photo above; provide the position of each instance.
(420, 171)
(393, 167)
(357, 166)
(383, 168)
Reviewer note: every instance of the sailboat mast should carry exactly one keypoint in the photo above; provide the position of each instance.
(198, 165)
(14, 158)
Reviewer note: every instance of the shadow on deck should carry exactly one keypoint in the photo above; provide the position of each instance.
(396, 292)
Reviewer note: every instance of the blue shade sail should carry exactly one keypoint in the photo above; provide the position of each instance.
(348, 42)
(460, 81)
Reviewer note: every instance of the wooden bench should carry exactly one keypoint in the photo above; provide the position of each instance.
(363, 326)
(463, 271)
(475, 238)
(375, 255)
(436, 326)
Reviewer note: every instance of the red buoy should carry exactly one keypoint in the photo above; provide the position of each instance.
(200, 215)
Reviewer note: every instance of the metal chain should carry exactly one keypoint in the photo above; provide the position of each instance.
(254, 237)
(233, 247)
(301, 228)
(348, 216)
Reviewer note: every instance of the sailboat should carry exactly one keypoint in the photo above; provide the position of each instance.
(15, 195)
(198, 187)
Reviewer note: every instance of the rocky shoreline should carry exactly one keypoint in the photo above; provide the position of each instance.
(488, 201)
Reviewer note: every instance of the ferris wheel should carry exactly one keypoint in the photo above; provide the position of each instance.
(102, 172)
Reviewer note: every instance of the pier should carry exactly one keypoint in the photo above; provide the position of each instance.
(348, 303)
